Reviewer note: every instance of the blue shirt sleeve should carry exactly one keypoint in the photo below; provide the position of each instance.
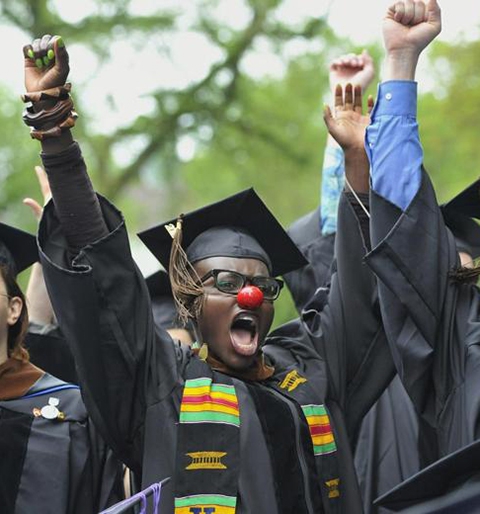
(333, 181)
(393, 144)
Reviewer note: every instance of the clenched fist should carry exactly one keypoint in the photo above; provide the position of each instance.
(410, 25)
(46, 63)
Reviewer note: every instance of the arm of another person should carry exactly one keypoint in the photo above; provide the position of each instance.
(346, 323)
(413, 252)
(98, 294)
(40, 310)
(314, 234)
(358, 70)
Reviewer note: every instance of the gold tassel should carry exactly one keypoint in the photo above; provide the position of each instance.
(186, 287)
(203, 352)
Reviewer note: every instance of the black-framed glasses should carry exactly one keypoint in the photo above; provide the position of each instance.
(231, 282)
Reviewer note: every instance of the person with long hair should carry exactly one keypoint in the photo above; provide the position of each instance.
(52, 459)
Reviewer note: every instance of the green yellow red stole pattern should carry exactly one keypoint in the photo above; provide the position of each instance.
(206, 402)
(208, 453)
(320, 429)
(208, 445)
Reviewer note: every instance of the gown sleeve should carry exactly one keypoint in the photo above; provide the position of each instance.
(413, 254)
(103, 307)
(345, 324)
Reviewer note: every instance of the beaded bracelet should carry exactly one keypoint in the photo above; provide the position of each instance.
(58, 113)
(56, 131)
(55, 93)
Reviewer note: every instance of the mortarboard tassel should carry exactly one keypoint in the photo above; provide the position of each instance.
(186, 284)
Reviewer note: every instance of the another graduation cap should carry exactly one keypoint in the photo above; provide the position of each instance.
(458, 214)
(238, 226)
(18, 249)
(163, 306)
(450, 485)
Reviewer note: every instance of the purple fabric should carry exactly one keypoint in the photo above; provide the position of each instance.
(141, 497)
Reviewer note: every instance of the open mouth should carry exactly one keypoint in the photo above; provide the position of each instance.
(244, 334)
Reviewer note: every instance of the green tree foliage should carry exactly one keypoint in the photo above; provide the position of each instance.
(449, 117)
(239, 130)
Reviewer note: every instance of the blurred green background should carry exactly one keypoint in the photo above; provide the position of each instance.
(220, 127)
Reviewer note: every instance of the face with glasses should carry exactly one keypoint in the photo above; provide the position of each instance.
(234, 335)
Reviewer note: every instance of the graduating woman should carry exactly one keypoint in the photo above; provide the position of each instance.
(246, 423)
(52, 459)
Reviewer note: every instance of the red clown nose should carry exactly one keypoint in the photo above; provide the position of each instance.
(250, 297)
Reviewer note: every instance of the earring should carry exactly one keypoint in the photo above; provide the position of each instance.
(203, 352)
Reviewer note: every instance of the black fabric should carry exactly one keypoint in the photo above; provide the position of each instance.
(226, 242)
(363, 218)
(132, 378)
(449, 485)
(318, 250)
(60, 466)
(394, 443)
(163, 306)
(75, 201)
(18, 249)
(51, 353)
(465, 230)
(430, 319)
(158, 284)
(244, 210)
(279, 429)
(14, 435)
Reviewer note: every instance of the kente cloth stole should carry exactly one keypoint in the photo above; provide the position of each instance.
(297, 386)
(208, 447)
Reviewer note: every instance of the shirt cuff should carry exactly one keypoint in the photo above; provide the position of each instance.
(396, 98)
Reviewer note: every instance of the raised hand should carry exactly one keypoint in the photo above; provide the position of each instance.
(35, 207)
(410, 25)
(351, 68)
(46, 63)
(347, 125)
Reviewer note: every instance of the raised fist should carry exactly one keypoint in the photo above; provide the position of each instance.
(410, 25)
(358, 70)
(46, 63)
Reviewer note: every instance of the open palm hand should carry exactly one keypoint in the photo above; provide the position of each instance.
(348, 124)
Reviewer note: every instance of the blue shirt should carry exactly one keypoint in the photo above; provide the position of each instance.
(333, 181)
(393, 144)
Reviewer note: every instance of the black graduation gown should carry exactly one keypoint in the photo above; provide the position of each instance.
(449, 486)
(133, 377)
(393, 443)
(318, 250)
(52, 466)
(432, 322)
(49, 351)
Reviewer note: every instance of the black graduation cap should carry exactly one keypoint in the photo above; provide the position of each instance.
(158, 284)
(458, 214)
(238, 226)
(18, 249)
(163, 306)
(450, 485)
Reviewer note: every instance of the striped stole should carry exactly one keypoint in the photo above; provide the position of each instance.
(292, 383)
(208, 447)
(320, 429)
